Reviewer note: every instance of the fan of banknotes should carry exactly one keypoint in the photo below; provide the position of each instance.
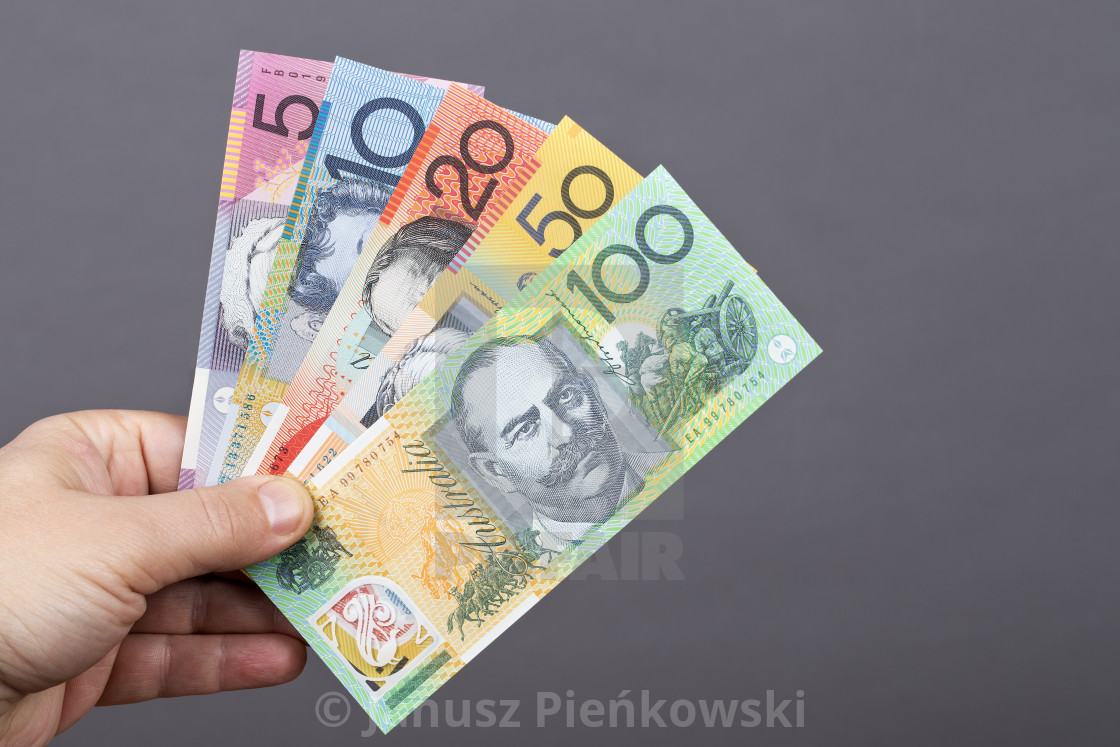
(482, 340)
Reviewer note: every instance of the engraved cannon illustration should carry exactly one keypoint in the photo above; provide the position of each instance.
(724, 331)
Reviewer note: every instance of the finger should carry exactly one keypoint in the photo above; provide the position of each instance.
(175, 536)
(143, 449)
(212, 606)
(166, 666)
(82, 692)
(140, 451)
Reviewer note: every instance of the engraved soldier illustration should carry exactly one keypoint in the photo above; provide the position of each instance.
(302, 567)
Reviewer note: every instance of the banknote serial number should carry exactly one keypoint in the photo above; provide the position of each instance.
(324, 460)
(725, 403)
(368, 459)
(233, 453)
(293, 74)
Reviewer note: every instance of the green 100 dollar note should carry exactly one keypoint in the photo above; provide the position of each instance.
(623, 363)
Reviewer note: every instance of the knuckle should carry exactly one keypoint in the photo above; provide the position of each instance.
(164, 666)
(199, 607)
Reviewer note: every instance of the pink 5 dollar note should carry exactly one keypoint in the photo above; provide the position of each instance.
(276, 101)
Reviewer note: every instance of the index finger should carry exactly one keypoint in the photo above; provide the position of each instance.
(141, 450)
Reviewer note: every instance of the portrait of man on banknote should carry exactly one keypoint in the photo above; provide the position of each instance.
(405, 267)
(339, 223)
(536, 425)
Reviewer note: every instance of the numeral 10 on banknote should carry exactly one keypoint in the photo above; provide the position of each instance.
(336, 165)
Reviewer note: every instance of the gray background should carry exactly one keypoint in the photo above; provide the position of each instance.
(918, 532)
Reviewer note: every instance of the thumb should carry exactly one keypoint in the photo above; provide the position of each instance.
(221, 528)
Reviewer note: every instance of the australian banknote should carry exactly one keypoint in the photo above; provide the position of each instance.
(276, 101)
(473, 160)
(578, 181)
(370, 125)
(623, 363)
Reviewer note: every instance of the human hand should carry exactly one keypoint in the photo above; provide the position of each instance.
(95, 605)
